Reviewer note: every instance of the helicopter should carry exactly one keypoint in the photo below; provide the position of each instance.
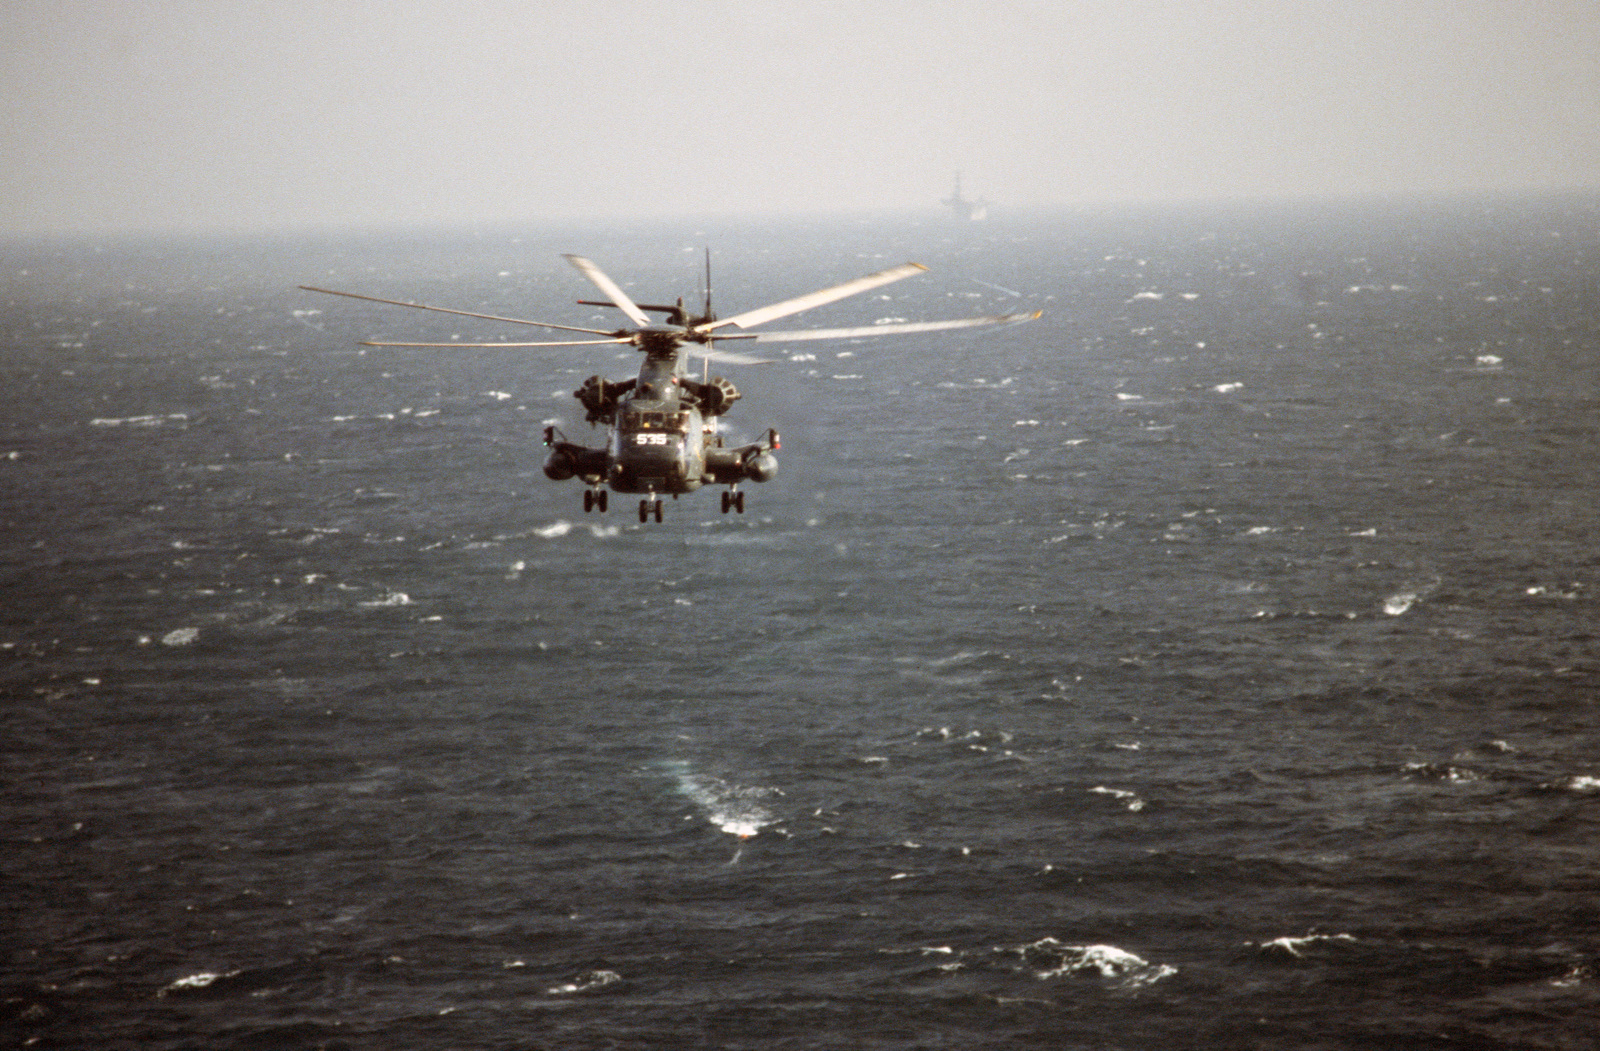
(663, 434)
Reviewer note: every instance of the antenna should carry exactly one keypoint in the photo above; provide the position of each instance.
(707, 313)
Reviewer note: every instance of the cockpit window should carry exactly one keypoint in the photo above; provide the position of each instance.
(655, 421)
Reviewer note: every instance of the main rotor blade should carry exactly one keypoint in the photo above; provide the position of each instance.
(610, 288)
(557, 343)
(461, 313)
(817, 299)
(729, 356)
(893, 328)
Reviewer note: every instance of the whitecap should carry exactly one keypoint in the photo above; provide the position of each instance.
(1228, 388)
(196, 981)
(1441, 772)
(550, 532)
(729, 537)
(180, 637)
(958, 658)
(393, 598)
(1050, 959)
(1395, 605)
(1121, 795)
(138, 421)
(1292, 946)
(585, 982)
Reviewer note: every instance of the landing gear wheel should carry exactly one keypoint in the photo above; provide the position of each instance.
(738, 502)
(658, 510)
(588, 500)
(600, 500)
(644, 510)
(727, 501)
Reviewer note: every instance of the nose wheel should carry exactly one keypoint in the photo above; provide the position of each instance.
(646, 507)
(594, 500)
(732, 498)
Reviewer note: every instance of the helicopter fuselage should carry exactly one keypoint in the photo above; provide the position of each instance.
(660, 440)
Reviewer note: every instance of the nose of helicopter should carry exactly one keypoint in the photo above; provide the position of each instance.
(651, 465)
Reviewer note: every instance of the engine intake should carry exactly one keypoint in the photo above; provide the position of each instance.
(714, 397)
(599, 397)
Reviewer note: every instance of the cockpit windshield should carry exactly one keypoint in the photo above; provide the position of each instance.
(644, 420)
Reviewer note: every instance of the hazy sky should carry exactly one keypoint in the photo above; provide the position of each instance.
(199, 114)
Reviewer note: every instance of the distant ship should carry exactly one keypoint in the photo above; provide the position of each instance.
(970, 211)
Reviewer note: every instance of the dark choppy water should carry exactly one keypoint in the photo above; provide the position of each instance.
(1210, 664)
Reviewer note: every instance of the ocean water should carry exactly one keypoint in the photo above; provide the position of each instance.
(1211, 663)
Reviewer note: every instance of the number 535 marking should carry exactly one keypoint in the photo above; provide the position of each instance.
(650, 439)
